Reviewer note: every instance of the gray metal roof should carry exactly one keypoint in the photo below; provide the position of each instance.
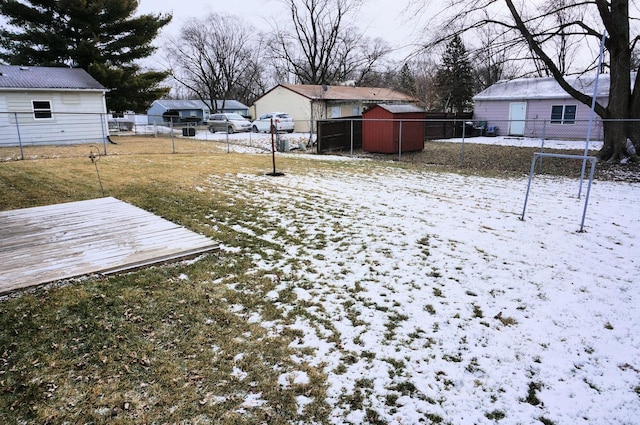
(44, 77)
(401, 109)
(181, 104)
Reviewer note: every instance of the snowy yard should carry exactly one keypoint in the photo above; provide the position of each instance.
(260, 142)
(427, 300)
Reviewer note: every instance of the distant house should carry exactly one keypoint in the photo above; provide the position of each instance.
(533, 106)
(49, 105)
(309, 103)
(187, 110)
(393, 129)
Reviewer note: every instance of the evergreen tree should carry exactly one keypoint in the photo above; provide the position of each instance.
(454, 79)
(100, 36)
(406, 81)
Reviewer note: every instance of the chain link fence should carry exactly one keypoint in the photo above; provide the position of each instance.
(25, 136)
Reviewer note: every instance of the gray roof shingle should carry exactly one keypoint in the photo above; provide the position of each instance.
(41, 77)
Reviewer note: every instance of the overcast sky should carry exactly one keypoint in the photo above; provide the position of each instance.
(378, 18)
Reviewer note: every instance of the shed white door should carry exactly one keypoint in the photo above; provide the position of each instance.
(517, 114)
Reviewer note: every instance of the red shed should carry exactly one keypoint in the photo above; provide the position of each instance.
(389, 128)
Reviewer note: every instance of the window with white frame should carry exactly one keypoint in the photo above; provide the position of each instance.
(563, 114)
(41, 109)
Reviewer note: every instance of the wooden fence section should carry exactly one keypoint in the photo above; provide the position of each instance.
(335, 135)
(55, 242)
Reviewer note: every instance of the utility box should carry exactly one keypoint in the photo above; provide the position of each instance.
(189, 131)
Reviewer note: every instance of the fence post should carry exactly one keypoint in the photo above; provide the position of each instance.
(462, 148)
(351, 124)
(15, 115)
(173, 142)
(544, 136)
(104, 137)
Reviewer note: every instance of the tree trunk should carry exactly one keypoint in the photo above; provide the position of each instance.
(616, 19)
(614, 135)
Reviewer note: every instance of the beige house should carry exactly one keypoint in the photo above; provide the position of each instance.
(309, 103)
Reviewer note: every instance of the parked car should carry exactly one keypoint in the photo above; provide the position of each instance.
(281, 121)
(227, 122)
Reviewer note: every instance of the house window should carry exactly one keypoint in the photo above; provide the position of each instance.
(563, 114)
(41, 109)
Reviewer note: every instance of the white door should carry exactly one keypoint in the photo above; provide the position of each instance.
(517, 115)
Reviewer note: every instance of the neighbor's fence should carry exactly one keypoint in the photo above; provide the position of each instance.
(345, 134)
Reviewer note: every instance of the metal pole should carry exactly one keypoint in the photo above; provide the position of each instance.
(544, 135)
(273, 150)
(227, 130)
(15, 115)
(593, 107)
(173, 142)
(104, 137)
(586, 199)
(351, 123)
(462, 148)
(526, 196)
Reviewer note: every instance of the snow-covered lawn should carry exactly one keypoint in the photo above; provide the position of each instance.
(427, 300)
(260, 142)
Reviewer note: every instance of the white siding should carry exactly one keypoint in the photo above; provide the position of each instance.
(281, 99)
(77, 117)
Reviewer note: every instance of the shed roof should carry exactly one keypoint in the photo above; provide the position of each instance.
(45, 77)
(181, 104)
(401, 108)
(369, 94)
(543, 88)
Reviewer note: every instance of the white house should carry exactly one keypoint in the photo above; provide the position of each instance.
(308, 103)
(532, 107)
(50, 105)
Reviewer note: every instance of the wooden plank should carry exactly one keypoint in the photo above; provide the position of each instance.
(44, 244)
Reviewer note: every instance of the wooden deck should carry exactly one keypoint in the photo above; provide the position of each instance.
(100, 236)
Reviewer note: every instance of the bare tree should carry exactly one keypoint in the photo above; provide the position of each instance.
(542, 32)
(425, 81)
(490, 57)
(215, 58)
(318, 46)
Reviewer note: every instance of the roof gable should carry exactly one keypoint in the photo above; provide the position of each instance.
(41, 78)
(542, 88)
(368, 94)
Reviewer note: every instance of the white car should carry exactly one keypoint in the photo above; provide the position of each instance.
(230, 123)
(281, 122)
